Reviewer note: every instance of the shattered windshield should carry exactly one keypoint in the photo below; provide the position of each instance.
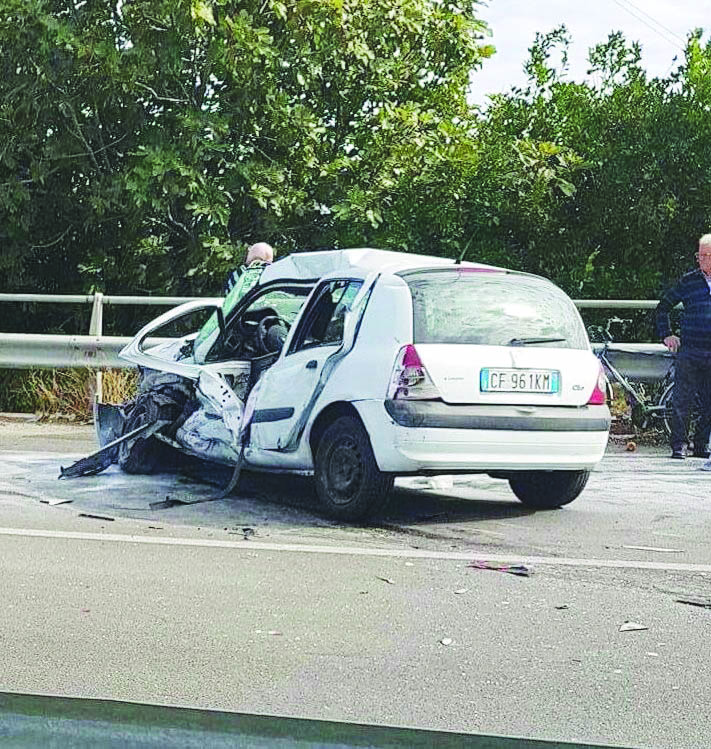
(493, 309)
(284, 302)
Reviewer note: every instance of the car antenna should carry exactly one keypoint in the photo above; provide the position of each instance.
(458, 261)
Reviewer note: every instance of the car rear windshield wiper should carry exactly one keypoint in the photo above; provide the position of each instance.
(527, 341)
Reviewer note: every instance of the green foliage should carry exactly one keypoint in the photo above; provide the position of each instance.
(144, 144)
(605, 187)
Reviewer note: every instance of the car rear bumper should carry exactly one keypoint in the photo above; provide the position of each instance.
(439, 415)
(438, 437)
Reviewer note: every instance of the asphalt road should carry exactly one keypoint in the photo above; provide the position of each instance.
(256, 604)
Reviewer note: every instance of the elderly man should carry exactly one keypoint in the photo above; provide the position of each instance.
(238, 283)
(259, 255)
(692, 377)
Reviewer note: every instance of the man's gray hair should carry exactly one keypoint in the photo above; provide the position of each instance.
(260, 251)
(705, 241)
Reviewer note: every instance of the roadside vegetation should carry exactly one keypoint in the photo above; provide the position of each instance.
(145, 144)
(63, 393)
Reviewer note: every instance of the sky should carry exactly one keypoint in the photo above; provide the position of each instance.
(661, 27)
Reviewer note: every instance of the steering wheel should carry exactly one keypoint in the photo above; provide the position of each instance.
(248, 323)
(264, 327)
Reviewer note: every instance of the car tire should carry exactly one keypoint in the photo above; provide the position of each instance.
(547, 490)
(349, 483)
(146, 455)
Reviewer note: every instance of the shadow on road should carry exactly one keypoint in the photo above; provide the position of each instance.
(414, 506)
(407, 506)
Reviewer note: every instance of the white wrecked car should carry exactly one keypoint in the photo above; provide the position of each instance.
(362, 365)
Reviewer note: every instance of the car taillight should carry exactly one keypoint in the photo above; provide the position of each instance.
(410, 379)
(599, 393)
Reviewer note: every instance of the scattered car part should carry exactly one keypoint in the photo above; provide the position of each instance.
(521, 570)
(701, 603)
(632, 627)
(104, 457)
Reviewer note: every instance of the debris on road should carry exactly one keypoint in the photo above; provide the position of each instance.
(169, 502)
(459, 591)
(631, 446)
(513, 569)
(655, 548)
(699, 602)
(165, 504)
(385, 580)
(107, 454)
(446, 641)
(53, 502)
(632, 627)
(246, 533)
(563, 607)
(95, 517)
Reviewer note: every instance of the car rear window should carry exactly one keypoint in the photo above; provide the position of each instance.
(459, 305)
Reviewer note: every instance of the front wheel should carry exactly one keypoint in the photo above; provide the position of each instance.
(665, 411)
(546, 490)
(348, 481)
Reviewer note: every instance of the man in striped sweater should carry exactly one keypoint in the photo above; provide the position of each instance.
(692, 375)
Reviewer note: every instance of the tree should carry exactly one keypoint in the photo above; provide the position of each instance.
(616, 205)
(144, 140)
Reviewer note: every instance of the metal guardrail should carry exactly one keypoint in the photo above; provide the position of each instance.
(111, 299)
(36, 351)
(27, 351)
(24, 351)
(136, 301)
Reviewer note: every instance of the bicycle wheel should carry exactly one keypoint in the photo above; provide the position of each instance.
(666, 400)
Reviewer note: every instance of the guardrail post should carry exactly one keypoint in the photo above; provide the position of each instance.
(96, 327)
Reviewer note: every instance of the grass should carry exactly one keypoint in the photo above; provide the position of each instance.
(65, 393)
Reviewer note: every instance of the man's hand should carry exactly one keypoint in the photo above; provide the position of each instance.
(672, 342)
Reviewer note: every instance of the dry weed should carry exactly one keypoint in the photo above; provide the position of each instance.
(119, 385)
(70, 393)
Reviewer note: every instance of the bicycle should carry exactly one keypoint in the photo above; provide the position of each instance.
(653, 368)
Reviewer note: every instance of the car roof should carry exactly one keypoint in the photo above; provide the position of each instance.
(352, 263)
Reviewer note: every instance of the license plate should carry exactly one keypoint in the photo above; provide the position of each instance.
(519, 380)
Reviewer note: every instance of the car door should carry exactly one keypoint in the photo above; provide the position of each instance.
(286, 388)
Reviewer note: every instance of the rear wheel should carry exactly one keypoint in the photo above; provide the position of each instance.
(665, 413)
(348, 480)
(546, 490)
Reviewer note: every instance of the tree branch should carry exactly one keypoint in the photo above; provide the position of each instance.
(54, 241)
(180, 225)
(162, 98)
(64, 108)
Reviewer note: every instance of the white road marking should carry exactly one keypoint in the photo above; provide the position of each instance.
(356, 551)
